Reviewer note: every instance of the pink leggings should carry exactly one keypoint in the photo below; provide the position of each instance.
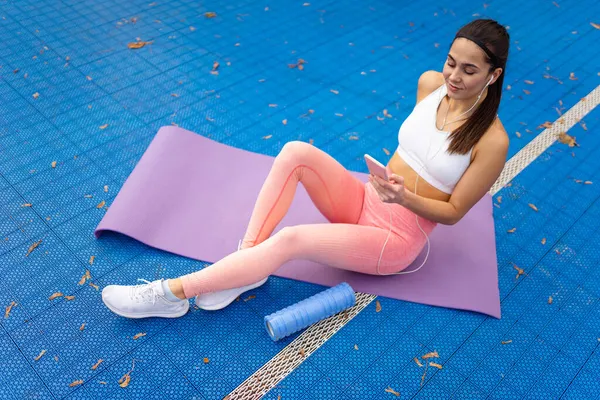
(360, 223)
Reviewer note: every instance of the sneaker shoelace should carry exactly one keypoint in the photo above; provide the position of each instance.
(146, 292)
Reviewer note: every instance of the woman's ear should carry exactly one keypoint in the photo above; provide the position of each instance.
(497, 72)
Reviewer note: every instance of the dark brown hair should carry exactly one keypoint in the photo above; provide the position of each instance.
(492, 35)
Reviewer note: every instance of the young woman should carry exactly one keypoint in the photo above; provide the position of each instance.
(452, 148)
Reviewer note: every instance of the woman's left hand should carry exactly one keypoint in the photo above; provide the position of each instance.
(391, 191)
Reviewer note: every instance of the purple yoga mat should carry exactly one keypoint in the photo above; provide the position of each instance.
(192, 196)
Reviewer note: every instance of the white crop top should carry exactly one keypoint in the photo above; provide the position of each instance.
(425, 148)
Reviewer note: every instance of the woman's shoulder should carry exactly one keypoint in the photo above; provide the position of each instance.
(495, 138)
(428, 82)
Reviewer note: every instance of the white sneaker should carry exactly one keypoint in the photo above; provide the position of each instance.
(142, 301)
(223, 298)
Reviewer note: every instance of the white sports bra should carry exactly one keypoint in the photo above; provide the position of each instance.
(425, 148)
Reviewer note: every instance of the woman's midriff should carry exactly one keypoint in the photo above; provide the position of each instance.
(424, 189)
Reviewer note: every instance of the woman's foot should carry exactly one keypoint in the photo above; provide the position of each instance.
(143, 301)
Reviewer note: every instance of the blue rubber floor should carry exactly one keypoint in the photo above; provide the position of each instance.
(78, 109)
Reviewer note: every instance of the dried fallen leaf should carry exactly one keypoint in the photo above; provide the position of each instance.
(94, 286)
(9, 309)
(526, 91)
(386, 151)
(89, 78)
(97, 364)
(284, 122)
(55, 295)
(210, 14)
(32, 247)
(533, 207)
(597, 26)
(26, 205)
(103, 126)
(267, 137)
(53, 164)
(567, 139)
(40, 355)
(92, 260)
(273, 105)
(353, 137)
(506, 341)
(250, 297)
(101, 204)
(424, 373)
(105, 188)
(546, 125)
(377, 306)
(436, 365)
(418, 362)
(528, 82)
(76, 383)
(215, 66)
(518, 134)
(543, 241)
(334, 91)
(138, 44)
(572, 76)
(431, 355)
(547, 76)
(124, 381)
(82, 327)
(511, 230)
(520, 271)
(70, 297)
(392, 391)
(139, 335)
(499, 199)
(36, 95)
(587, 182)
(355, 347)
(205, 360)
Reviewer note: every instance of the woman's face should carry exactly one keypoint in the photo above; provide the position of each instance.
(466, 70)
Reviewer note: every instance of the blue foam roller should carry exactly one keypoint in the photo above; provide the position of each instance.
(298, 316)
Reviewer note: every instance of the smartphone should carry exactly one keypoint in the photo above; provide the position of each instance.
(376, 168)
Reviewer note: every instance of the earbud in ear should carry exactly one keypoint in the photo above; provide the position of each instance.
(491, 79)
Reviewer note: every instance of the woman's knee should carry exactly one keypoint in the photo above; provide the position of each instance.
(296, 151)
(288, 235)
